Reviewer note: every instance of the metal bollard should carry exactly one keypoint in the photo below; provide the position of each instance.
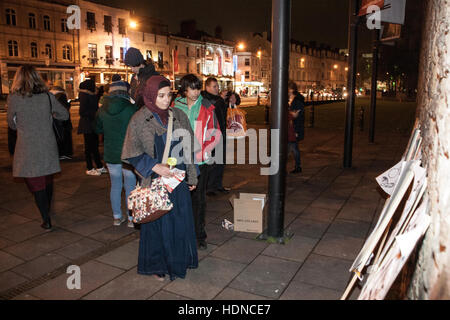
(361, 119)
(258, 101)
(311, 117)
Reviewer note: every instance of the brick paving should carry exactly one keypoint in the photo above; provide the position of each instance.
(329, 210)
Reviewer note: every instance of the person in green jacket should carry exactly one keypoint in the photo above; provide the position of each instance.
(112, 122)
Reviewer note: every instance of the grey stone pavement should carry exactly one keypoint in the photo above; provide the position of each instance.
(329, 210)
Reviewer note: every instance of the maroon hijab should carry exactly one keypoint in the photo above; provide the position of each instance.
(150, 93)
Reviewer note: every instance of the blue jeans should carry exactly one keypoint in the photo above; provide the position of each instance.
(115, 173)
(293, 147)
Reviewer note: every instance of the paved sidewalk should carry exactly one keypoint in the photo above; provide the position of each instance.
(330, 211)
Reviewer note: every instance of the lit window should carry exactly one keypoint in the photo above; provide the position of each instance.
(34, 50)
(67, 52)
(13, 48)
(32, 20)
(11, 17)
(47, 23)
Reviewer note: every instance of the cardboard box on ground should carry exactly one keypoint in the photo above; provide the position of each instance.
(250, 212)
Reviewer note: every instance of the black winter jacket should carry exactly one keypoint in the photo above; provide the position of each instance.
(137, 85)
(88, 109)
(299, 123)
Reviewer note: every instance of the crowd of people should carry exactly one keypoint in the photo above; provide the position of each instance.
(134, 122)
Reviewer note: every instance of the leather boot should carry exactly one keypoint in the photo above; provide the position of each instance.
(42, 203)
(49, 191)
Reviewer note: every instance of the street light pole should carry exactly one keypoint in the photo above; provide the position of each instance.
(373, 91)
(281, 25)
(350, 107)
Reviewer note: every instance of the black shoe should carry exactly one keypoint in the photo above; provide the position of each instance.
(297, 170)
(47, 225)
(224, 190)
(202, 245)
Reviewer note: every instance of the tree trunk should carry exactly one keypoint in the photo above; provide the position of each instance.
(431, 279)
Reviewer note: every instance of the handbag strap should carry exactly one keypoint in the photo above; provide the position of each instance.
(168, 138)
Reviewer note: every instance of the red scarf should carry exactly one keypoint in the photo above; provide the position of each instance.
(150, 93)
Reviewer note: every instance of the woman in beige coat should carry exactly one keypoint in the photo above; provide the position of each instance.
(31, 109)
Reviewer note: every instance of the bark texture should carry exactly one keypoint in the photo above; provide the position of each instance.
(431, 279)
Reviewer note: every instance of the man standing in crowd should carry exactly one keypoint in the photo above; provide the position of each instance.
(142, 71)
(203, 121)
(215, 175)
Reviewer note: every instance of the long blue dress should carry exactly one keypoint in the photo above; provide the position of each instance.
(167, 245)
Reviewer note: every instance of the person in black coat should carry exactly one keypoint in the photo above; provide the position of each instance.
(215, 175)
(297, 103)
(65, 148)
(88, 109)
(142, 70)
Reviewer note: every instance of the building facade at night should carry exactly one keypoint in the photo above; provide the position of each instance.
(206, 57)
(35, 32)
(106, 34)
(311, 67)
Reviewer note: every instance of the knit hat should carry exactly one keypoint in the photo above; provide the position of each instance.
(116, 77)
(119, 86)
(133, 57)
(88, 84)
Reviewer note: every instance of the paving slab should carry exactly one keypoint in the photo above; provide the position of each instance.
(5, 243)
(124, 257)
(12, 220)
(266, 276)
(303, 291)
(23, 232)
(164, 295)
(8, 261)
(91, 225)
(328, 203)
(354, 212)
(113, 233)
(240, 250)
(128, 286)
(339, 246)
(216, 234)
(204, 253)
(67, 218)
(79, 249)
(211, 216)
(352, 228)
(296, 206)
(25, 296)
(10, 280)
(41, 265)
(296, 249)
(320, 214)
(308, 227)
(208, 280)
(93, 275)
(233, 294)
(33, 248)
(328, 272)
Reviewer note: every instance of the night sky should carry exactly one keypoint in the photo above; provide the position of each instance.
(323, 21)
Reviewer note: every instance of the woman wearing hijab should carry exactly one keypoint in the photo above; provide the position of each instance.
(168, 244)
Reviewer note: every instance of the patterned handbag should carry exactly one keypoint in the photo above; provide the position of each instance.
(148, 204)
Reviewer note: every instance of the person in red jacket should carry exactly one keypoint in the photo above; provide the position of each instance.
(201, 115)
